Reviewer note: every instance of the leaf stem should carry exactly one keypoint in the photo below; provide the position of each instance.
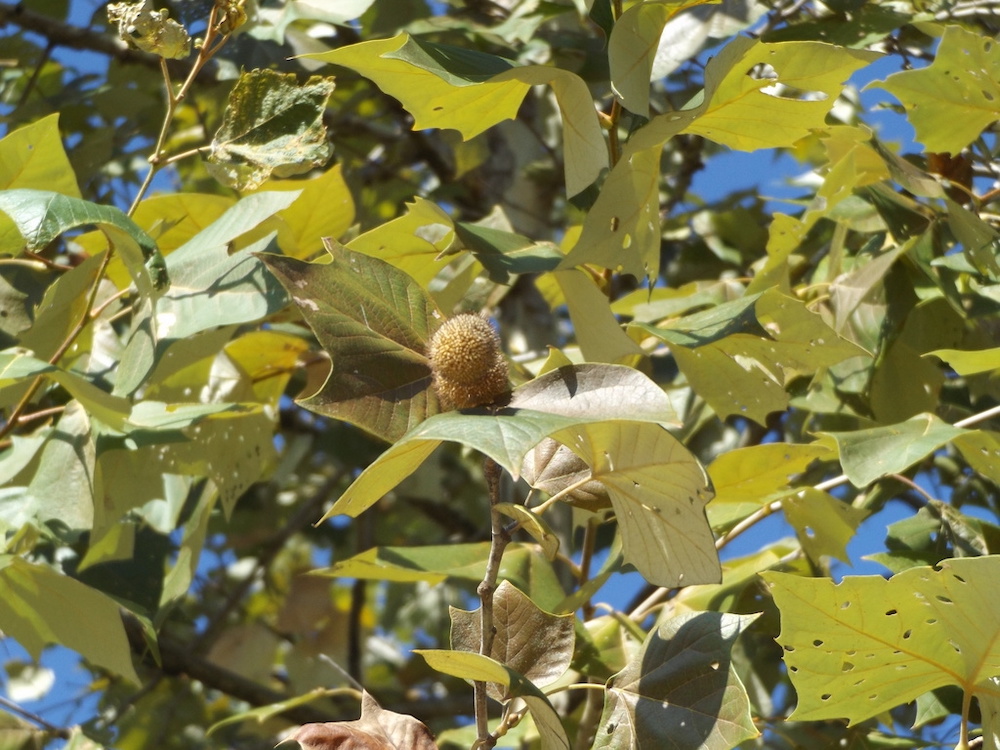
(61, 733)
(500, 538)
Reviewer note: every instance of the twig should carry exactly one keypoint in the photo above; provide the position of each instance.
(500, 537)
(60, 732)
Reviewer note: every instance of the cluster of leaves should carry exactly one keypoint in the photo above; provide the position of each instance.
(158, 482)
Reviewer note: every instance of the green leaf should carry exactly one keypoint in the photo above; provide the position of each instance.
(823, 524)
(658, 491)
(868, 644)
(535, 643)
(42, 215)
(622, 229)
(745, 479)
(505, 253)
(272, 126)
(482, 668)
(740, 364)
(43, 607)
(969, 362)
(449, 89)
(951, 101)
(414, 242)
(324, 208)
(262, 714)
(981, 449)
(748, 113)
(632, 48)
(681, 689)
(375, 322)
(33, 157)
(600, 336)
(867, 455)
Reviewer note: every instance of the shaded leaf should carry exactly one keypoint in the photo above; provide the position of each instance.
(374, 321)
(598, 333)
(535, 643)
(482, 668)
(633, 46)
(658, 491)
(680, 690)
(867, 455)
(377, 729)
(272, 126)
(41, 216)
(867, 644)
(43, 607)
(951, 101)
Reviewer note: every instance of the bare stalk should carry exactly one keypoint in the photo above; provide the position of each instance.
(500, 539)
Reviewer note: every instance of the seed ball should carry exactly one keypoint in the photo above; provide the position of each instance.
(469, 367)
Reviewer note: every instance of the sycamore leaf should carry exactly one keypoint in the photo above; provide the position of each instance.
(535, 643)
(377, 729)
(43, 607)
(598, 332)
(740, 355)
(659, 492)
(448, 87)
(42, 215)
(374, 321)
(477, 667)
(867, 455)
(622, 228)
(799, 85)
(680, 690)
(951, 101)
(867, 644)
(823, 524)
(747, 478)
(969, 362)
(633, 45)
(414, 242)
(556, 400)
(261, 714)
(272, 126)
(33, 157)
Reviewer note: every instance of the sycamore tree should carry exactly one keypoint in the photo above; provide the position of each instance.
(358, 358)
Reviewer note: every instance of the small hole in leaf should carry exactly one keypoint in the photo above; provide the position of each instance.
(845, 605)
(958, 649)
(891, 612)
(846, 667)
(931, 620)
(943, 599)
(958, 578)
(907, 634)
(825, 696)
(817, 642)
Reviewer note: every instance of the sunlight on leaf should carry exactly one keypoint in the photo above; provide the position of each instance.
(867, 644)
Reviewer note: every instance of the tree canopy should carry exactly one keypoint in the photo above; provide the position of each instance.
(395, 358)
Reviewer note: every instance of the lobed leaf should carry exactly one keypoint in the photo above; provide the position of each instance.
(374, 321)
(867, 644)
(680, 690)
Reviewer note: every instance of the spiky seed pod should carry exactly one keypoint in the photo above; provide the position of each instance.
(469, 367)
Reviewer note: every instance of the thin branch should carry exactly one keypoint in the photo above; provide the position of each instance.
(499, 540)
(60, 732)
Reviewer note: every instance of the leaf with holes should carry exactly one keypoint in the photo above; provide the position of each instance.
(867, 644)
(951, 101)
(535, 643)
(823, 523)
(680, 690)
(374, 321)
(659, 492)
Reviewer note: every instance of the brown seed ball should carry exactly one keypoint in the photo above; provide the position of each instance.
(469, 367)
